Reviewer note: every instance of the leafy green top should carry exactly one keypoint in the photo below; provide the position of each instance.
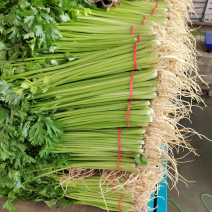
(27, 25)
(26, 140)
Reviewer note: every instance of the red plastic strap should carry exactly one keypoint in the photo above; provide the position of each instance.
(135, 59)
(132, 30)
(153, 11)
(157, 5)
(144, 20)
(119, 145)
(131, 89)
(112, 183)
(139, 38)
(120, 205)
(120, 152)
(122, 197)
(128, 113)
(131, 86)
(119, 139)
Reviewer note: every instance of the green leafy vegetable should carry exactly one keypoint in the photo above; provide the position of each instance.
(23, 22)
(141, 160)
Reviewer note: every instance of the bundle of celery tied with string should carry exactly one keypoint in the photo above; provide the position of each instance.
(88, 192)
(77, 94)
(93, 104)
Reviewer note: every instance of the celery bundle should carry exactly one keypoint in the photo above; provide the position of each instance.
(87, 191)
(64, 104)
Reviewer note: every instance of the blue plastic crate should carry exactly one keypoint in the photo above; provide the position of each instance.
(162, 196)
(151, 204)
(161, 199)
(208, 44)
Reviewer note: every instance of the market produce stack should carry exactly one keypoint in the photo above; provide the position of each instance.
(89, 106)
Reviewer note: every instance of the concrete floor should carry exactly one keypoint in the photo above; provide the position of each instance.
(200, 170)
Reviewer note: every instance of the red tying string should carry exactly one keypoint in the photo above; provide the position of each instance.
(139, 38)
(132, 30)
(112, 183)
(119, 145)
(128, 113)
(131, 86)
(120, 205)
(144, 20)
(128, 110)
(153, 11)
(120, 152)
(122, 197)
(135, 59)
(119, 139)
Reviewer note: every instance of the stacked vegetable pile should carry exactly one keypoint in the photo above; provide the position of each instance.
(81, 98)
